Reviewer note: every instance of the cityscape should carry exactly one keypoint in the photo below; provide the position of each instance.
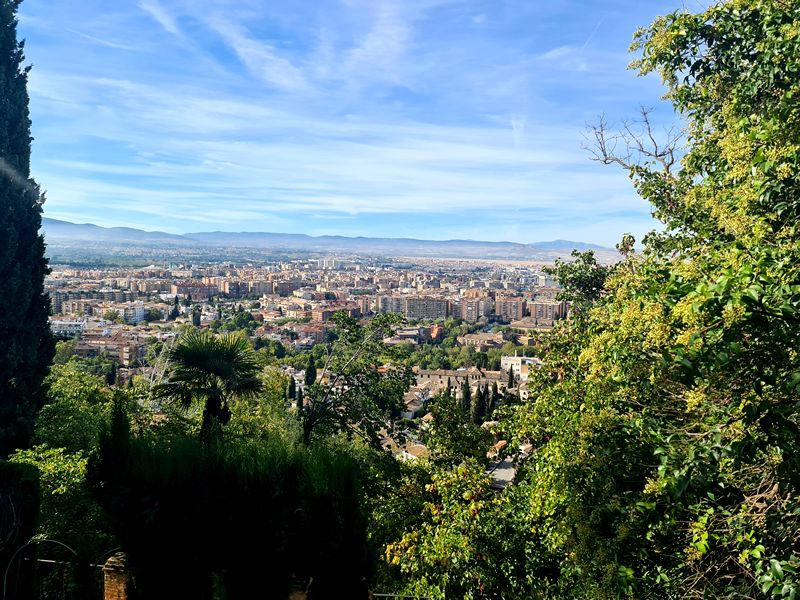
(399, 299)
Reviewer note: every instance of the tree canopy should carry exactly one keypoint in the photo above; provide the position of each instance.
(211, 369)
(664, 421)
(27, 345)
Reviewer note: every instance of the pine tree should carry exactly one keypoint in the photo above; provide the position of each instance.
(511, 381)
(26, 344)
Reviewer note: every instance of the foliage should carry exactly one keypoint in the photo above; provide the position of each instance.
(213, 370)
(582, 280)
(474, 542)
(112, 315)
(77, 399)
(65, 350)
(26, 344)
(153, 314)
(354, 394)
(173, 505)
(453, 436)
(242, 320)
(665, 419)
(19, 490)
(67, 511)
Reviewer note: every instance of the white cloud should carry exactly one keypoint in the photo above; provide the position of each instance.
(260, 58)
(161, 16)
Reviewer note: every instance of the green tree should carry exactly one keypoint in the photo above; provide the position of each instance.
(582, 280)
(27, 345)
(665, 419)
(311, 373)
(196, 316)
(453, 436)
(478, 405)
(212, 370)
(466, 399)
(355, 394)
(153, 314)
(112, 315)
(77, 401)
(471, 541)
(65, 349)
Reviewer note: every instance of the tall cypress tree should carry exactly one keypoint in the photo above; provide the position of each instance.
(311, 372)
(26, 344)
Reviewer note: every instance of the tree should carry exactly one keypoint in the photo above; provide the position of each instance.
(581, 280)
(212, 370)
(153, 314)
(291, 390)
(665, 418)
(471, 541)
(196, 316)
(453, 436)
(311, 373)
(478, 406)
(65, 349)
(73, 414)
(112, 315)
(466, 398)
(355, 394)
(26, 344)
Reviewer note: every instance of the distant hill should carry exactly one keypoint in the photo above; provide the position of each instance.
(63, 232)
(55, 230)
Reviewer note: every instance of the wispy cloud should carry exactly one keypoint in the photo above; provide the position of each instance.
(448, 118)
(260, 57)
(105, 42)
(160, 16)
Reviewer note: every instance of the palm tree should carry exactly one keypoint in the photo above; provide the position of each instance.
(211, 369)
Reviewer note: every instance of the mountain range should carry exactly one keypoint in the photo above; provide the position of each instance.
(59, 233)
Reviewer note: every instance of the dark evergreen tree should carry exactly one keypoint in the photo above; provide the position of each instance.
(311, 372)
(291, 392)
(466, 399)
(478, 405)
(494, 399)
(111, 374)
(196, 316)
(26, 344)
(511, 382)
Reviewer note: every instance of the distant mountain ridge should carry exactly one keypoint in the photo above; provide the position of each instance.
(59, 232)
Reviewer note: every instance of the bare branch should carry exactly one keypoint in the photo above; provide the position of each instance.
(639, 140)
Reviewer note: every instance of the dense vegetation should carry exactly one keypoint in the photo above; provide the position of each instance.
(27, 346)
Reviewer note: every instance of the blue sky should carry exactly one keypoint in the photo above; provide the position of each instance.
(434, 119)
